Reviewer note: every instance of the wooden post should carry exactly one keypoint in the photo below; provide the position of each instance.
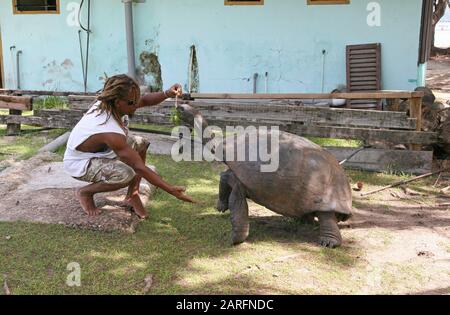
(15, 104)
(416, 112)
(396, 105)
(13, 129)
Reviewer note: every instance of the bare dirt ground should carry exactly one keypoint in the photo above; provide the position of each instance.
(38, 190)
(395, 243)
(438, 77)
(405, 233)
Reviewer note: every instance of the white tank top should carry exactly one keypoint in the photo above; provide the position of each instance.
(76, 162)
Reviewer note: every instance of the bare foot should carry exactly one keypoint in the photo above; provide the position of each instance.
(138, 207)
(87, 203)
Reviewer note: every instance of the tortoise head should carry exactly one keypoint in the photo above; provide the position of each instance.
(190, 116)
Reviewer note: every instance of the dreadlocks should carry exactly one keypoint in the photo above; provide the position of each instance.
(117, 88)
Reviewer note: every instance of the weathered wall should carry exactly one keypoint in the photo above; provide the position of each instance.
(284, 38)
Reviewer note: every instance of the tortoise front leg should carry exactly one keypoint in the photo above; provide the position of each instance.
(224, 191)
(330, 236)
(239, 213)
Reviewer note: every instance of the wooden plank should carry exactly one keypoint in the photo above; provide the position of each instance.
(363, 65)
(16, 102)
(363, 56)
(363, 46)
(372, 94)
(416, 112)
(378, 160)
(313, 116)
(363, 51)
(416, 94)
(363, 74)
(364, 83)
(362, 78)
(41, 93)
(380, 95)
(363, 101)
(307, 114)
(81, 98)
(365, 106)
(357, 88)
(358, 61)
(286, 113)
(14, 106)
(394, 136)
(358, 70)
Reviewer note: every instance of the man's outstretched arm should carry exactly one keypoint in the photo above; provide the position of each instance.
(153, 99)
(130, 157)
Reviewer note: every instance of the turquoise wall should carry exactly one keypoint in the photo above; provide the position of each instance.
(283, 37)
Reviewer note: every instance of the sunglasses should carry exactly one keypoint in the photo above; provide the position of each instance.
(131, 103)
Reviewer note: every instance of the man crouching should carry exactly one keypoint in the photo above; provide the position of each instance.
(101, 151)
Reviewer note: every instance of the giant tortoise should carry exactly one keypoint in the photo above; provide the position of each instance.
(308, 183)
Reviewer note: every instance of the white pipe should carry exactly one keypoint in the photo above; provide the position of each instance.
(13, 69)
(323, 70)
(266, 85)
(130, 38)
(18, 69)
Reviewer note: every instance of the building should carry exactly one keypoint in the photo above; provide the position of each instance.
(442, 37)
(207, 45)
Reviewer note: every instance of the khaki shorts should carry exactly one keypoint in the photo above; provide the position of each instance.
(113, 171)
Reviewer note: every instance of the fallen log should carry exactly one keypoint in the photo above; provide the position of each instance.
(55, 144)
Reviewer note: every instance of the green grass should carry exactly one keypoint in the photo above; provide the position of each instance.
(25, 146)
(6, 112)
(50, 102)
(150, 127)
(185, 247)
(325, 142)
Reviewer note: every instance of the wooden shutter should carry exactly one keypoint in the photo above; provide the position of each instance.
(364, 73)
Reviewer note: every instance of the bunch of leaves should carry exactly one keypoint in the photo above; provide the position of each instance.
(175, 117)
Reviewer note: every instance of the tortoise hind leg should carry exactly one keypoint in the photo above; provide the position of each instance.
(239, 212)
(330, 236)
(224, 191)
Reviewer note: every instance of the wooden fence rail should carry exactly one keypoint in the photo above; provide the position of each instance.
(287, 111)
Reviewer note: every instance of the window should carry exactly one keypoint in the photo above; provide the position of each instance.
(36, 6)
(328, 2)
(244, 2)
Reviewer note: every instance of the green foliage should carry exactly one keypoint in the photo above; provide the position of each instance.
(50, 102)
(175, 118)
(325, 142)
